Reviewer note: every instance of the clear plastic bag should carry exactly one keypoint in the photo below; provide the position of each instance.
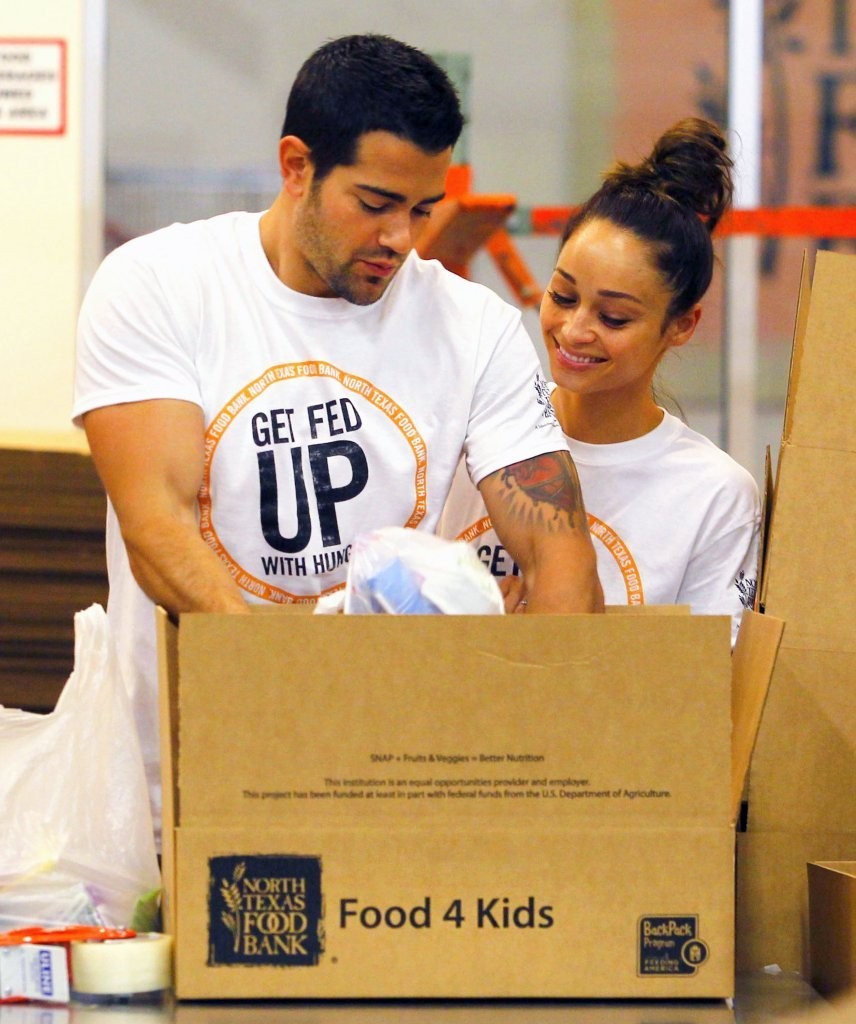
(399, 571)
(77, 843)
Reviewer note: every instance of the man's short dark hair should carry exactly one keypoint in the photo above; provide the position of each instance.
(365, 83)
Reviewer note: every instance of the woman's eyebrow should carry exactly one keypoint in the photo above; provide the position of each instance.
(606, 292)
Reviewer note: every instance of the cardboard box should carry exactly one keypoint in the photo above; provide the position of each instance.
(802, 800)
(832, 926)
(458, 806)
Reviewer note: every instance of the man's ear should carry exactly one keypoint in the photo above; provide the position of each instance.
(682, 328)
(295, 164)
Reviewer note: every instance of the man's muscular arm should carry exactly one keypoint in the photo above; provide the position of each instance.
(150, 458)
(537, 510)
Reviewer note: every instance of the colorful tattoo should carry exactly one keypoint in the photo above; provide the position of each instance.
(550, 479)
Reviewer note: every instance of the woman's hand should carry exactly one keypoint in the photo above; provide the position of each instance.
(513, 594)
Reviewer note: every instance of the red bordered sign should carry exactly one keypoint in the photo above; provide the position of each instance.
(32, 86)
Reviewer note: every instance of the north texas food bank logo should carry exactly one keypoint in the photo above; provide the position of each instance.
(265, 910)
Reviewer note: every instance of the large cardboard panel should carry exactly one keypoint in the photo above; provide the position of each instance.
(802, 803)
(811, 555)
(456, 806)
(804, 765)
(832, 926)
(772, 895)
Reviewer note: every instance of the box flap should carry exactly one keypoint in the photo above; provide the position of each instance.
(803, 303)
(753, 662)
(838, 867)
(560, 717)
(820, 415)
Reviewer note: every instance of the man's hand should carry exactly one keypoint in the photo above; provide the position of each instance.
(537, 510)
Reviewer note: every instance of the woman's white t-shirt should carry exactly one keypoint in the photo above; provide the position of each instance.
(674, 520)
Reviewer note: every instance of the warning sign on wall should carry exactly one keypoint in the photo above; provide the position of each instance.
(32, 86)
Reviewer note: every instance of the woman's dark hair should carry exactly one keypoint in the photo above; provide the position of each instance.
(673, 199)
(364, 83)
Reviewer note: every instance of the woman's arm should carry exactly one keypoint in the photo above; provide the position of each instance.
(537, 510)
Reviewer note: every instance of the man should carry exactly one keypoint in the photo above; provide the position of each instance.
(258, 389)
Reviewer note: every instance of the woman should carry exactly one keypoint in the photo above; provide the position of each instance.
(674, 519)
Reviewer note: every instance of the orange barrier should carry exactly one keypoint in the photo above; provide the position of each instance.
(513, 268)
(461, 225)
(797, 221)
(464, 223)
(805, 221)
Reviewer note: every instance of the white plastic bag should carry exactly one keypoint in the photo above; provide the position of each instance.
(409, 572)
(76, 841)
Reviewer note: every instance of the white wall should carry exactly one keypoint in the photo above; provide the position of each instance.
(202, 86)
(207, 94)
(186, 89)
(43, 241)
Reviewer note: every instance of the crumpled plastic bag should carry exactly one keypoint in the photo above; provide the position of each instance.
(77, 840)
(400, 571)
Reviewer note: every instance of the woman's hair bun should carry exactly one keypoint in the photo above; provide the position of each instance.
(689, 164)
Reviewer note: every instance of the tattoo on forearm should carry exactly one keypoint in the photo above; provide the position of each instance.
(548, 480)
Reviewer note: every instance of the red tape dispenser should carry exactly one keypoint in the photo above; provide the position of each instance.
(85, 964)
(36, 963)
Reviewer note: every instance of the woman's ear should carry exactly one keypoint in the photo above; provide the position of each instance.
(295, 164)
(682, 328)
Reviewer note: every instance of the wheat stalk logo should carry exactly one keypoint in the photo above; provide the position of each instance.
(231, 893)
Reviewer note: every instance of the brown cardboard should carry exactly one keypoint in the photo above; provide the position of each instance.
(801, 793)
(840, 1011)
(704, 1011)
(832, 926)
(615, 882)
(766, 510)
(757, 643)
(771, 883)
(800, 329)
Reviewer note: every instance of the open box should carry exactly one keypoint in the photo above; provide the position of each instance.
(455, 806)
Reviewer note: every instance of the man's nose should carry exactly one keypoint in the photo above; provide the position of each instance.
(396, 232)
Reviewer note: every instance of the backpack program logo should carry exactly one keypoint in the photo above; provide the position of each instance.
(265, 909)
(670, 945)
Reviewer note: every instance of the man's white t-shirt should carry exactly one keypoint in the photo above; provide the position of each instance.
(674, 520)
(323, 418)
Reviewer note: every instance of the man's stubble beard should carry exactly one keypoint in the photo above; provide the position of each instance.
(317, 254)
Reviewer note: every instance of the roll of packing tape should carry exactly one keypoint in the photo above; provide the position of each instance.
(122, 967)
